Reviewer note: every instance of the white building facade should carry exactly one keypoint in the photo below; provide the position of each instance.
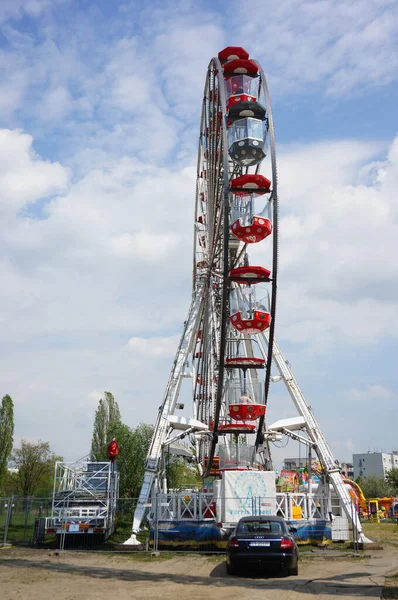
(374, 463)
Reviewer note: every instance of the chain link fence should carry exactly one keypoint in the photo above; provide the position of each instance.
(179, 522)
(23, 523)
(200, 522)
(18, 517)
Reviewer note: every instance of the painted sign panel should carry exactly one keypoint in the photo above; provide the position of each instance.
(247, 493)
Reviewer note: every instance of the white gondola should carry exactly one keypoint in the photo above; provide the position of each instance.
(247, 141)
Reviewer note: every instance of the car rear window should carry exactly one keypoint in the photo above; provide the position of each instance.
(260, 527)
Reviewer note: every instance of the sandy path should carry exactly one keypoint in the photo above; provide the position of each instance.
(34, 575)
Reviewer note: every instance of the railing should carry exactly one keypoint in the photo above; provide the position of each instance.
(24, 520)
(186, 506)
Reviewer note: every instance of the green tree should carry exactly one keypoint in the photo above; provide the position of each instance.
(6, 434)
(359, 480)
(375, 487)
(133, 444)
(133, 449)
(34, 467)
(181, 473)
(107, 424)
(392, 480)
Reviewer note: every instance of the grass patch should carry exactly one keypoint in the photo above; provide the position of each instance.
(383, 532)
(122, 534)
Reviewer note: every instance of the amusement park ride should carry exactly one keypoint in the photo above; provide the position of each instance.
(227, 347)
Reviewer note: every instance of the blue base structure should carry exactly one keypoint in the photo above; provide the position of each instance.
(315, 531)
(189, 534)
(207, 535)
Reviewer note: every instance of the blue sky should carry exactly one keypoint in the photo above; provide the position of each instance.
(99, 117)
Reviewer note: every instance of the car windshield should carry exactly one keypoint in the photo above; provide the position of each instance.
(261, 527)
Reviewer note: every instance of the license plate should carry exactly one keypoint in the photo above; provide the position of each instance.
(260, 544)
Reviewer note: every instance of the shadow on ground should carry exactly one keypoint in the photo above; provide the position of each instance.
(329, 585)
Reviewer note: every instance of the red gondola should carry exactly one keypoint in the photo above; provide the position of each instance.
(259, 322)
(237, 428)
(249, 275)
(246, 412)
(251, 183)
(251, 234)
(244, 362)
(232, 53)
(240, 66)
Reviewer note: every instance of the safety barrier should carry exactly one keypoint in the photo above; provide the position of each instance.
(186, 520)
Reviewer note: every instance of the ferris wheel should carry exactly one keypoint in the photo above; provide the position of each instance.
(227, 346)
(236, 207)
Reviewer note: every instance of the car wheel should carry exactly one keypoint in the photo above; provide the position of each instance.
(293, 570)
(231, 570)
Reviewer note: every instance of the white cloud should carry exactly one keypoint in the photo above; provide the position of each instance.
(104, 279)
(338, 234)
(341, 46)
(24, 177)
(372, 393)
(16, 9)
(183, 63)
(103, 276)
(152, 348)
(12, 86)
(131, 93)
(116, 238)
(56, 104)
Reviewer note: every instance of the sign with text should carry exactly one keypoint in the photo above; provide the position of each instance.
(246, 493)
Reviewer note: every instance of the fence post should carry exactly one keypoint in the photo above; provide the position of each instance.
(63, 527)
(289, 507)
(156, 529)
(8, 518)
(354, 529)
(27, 507)
(6, 506)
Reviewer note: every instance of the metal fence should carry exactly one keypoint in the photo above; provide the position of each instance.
(182, 521)
(18, 517)
(20, 520)
(202, 522)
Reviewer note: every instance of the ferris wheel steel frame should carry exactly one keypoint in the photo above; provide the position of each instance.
(206, 330)
(275, 253)
(223, 167)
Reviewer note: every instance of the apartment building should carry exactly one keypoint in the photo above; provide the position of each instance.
(374, 463)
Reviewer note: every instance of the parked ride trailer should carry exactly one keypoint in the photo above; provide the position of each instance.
(84, 499)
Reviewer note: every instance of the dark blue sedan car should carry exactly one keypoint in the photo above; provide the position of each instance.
(262, 542)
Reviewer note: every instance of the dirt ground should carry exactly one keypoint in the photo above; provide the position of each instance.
(42, 575)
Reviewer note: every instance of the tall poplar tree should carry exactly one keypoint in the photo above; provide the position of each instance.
(107, 424)
(6, 433)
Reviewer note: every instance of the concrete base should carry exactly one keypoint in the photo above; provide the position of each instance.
(366, 546)
(129, 547)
